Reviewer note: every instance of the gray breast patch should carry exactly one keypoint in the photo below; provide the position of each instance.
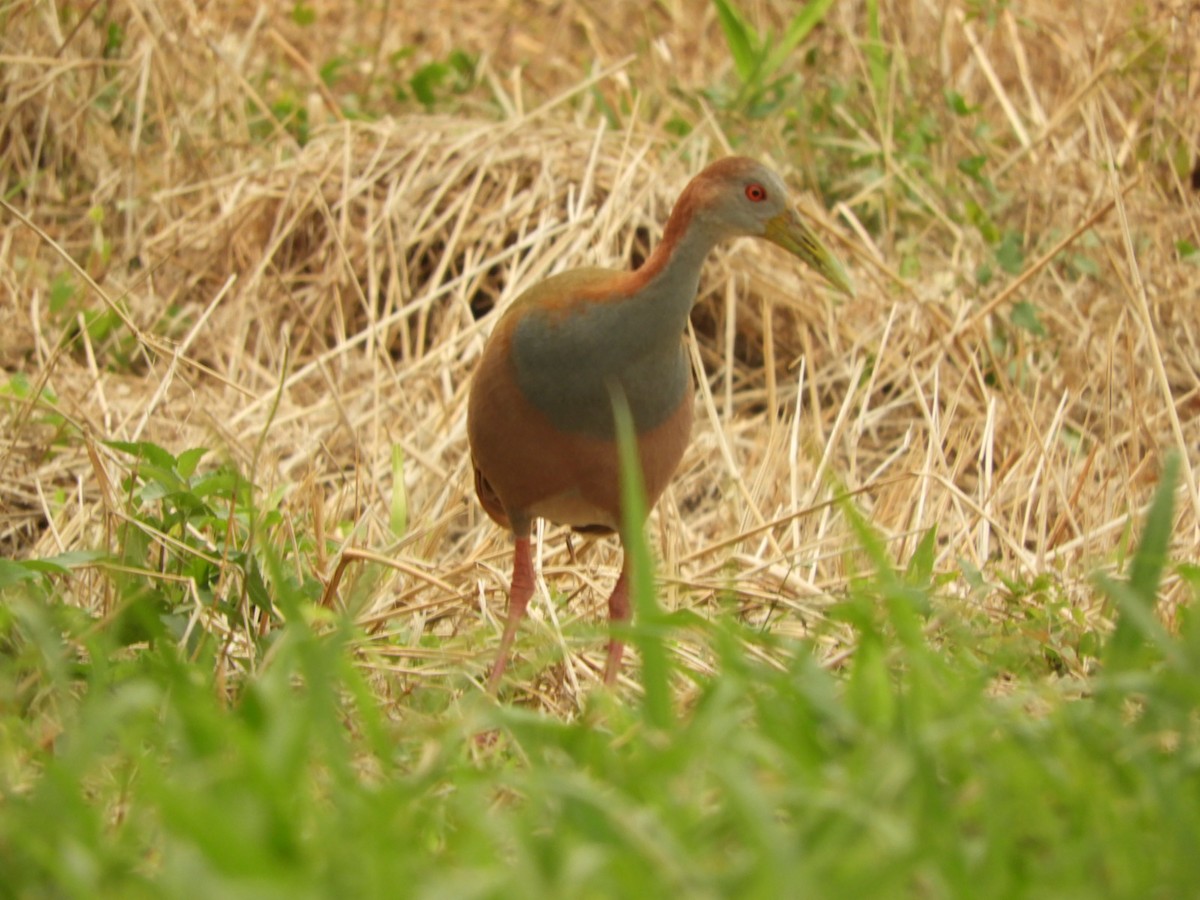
(565, 366)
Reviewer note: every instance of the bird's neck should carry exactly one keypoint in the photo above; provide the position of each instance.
(627, 334)
(664, 288)
(677, 260)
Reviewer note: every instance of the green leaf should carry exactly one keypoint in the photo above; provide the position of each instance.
(958, 104)
(18, 386)
(63, 563)
(13, 572)
(426, 81)
(1010, 254)
(114, 40)
(678, 126)
(256, 586)
(972, 167)
(189, 459)
(1024, 316)
(62, 289)
(741, 40)
(464, 66)
(160, 482)
(979, 217)
(330, 68)
(146, 450)
(221, 483)
(303, 14)
(399, 56)
(1083, 265)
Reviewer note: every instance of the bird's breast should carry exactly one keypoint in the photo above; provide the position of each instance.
(568, 367)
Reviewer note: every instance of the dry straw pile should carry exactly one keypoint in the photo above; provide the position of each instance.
(306, 308)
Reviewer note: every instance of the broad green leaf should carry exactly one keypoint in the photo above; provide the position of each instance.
(13, 572)
(426, 81)
(189, 459)
(63, 563)
(150, 452)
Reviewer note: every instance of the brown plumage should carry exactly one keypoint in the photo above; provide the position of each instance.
(539, 416)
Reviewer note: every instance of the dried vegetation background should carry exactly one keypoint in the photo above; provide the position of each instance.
(297, 266)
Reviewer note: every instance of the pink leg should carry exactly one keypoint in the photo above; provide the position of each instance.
(518, 599)
(618, 614)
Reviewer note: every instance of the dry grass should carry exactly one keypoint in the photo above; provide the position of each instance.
(306, 308)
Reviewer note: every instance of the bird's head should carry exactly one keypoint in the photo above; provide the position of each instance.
(740, 196)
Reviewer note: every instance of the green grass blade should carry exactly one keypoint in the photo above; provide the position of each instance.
(648, 633)
(877, 61)
(1145, 572)
(741, 40)
(1138, 629)
(920, 565)
(798, 29)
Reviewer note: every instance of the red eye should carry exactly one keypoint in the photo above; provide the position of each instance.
(756, 192)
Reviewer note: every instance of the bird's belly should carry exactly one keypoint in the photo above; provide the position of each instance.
(534, 470)
(571, 508)
(532, 463)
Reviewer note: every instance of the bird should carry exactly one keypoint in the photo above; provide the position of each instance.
(540, 418)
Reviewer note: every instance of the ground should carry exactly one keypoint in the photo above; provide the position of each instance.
(250, 256)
